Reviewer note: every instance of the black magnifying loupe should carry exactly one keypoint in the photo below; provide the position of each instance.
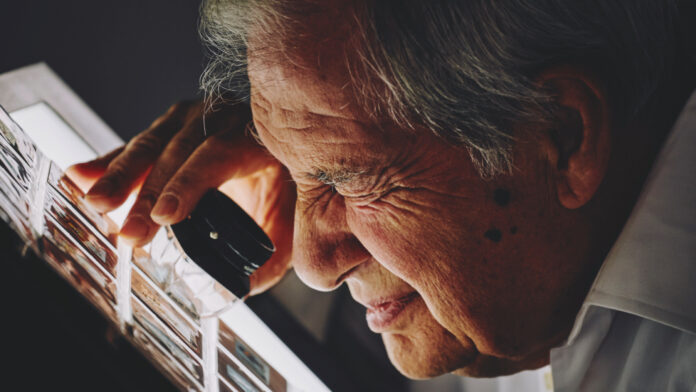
(224, 241)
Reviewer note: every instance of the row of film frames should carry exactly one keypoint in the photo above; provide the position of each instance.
(164, 303)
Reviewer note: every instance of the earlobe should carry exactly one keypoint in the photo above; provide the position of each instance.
(581, 139)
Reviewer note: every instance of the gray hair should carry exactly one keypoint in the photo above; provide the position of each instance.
(464, 69)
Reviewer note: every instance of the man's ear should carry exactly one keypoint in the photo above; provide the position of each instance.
(581, 139)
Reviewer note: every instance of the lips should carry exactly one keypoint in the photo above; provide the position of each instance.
(383, 313)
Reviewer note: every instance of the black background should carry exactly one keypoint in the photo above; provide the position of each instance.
(130, 60)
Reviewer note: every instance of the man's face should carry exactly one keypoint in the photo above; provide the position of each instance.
(456, 272)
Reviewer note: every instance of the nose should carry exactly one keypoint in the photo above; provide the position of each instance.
(325, 250)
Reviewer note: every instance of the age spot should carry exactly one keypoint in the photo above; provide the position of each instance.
(501, 197)
(494, 235)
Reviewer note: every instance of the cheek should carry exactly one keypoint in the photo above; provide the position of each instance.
(429, 250)
(424, 349)
(461, 257)
(418, 239)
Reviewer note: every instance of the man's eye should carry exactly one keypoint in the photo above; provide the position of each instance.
(363, 199)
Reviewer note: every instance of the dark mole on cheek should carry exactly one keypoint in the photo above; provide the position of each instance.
(513, 230)
(494, 235)
(501, 197)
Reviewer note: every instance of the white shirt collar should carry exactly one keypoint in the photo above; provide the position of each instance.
(651, 269)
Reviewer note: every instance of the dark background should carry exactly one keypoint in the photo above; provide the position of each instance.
(129, 61)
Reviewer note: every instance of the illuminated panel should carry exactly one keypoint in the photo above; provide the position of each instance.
(170, 299)
(170, 314)
(149, 346)
(99, 246)
(250, 329)
(53, 136)
(72, 262)
(176, 348)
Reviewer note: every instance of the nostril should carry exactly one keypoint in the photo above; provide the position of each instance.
(345, 275)
(322, 279)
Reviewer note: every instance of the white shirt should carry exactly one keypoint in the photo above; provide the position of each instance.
(636, 330)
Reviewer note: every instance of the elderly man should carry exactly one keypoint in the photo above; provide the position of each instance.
(467, 168)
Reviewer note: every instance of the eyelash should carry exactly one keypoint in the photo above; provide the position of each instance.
(321, 189)
(367, 199)
(334, 190)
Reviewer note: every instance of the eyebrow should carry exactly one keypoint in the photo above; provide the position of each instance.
(335, 177)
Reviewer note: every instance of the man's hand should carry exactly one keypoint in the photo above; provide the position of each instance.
(175, 161)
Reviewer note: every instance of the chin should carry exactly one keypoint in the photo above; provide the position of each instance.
(424, 349)
(427, 351)
(418, 360)
(420, 348)
(412, 359)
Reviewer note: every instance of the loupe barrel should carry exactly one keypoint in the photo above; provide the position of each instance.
(224, 241)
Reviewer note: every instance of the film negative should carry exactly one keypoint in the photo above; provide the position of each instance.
(167, 364)
(167, 339)
(231, 372)
(160, 274)
(80, 279)
(71, 261)
(157, 301)
(250, 359)
(224, 386)
(12, 136)
(157, 260)
(75, 198)
(17, 173)
(73, 250)
(18, 157)
(15, 193)
(99, 246)
(17, 221)
(188, 281)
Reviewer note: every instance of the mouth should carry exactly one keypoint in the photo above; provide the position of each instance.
(383, 313)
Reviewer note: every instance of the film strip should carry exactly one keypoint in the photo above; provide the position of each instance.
(170, 306)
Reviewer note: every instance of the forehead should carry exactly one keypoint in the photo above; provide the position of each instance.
(307, 107)
(310, 79)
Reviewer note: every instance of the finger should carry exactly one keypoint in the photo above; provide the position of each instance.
(139, 228)
(218, 159)
(85, 174)
(126, 170)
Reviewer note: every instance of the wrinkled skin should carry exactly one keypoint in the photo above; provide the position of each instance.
(494, 270)
(392, 212)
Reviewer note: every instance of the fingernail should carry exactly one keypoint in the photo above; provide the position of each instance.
(135, 228)
(103, 188)
(165, 206)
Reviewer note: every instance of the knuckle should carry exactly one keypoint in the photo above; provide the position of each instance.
(186, 142)
(181, 182)
(147, 199)
(117, 171)
(145, 143)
